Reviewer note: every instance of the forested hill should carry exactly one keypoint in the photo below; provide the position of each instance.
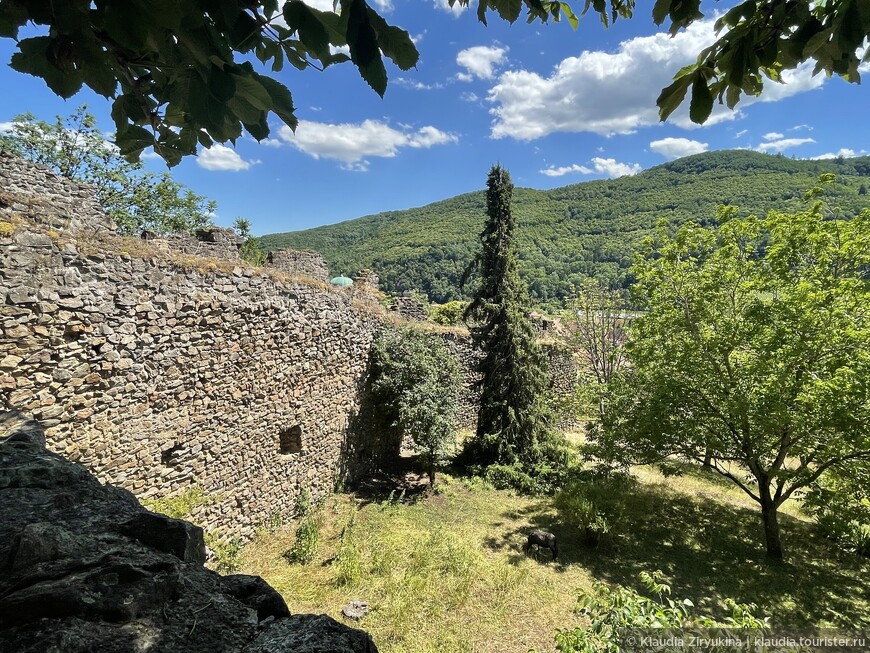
(586, 229)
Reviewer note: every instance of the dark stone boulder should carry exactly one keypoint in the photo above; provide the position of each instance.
(84, 568)
(256, 593)
(180, 538)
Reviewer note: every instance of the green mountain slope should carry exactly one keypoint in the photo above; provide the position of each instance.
(568, 233)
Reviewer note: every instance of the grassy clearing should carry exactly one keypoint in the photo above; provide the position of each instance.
(447, 573)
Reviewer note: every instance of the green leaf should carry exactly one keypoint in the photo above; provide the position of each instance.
(702, 100)
(37, 56)
(364, 51)
(282, 100)
(570, 15)
(96, 68)
(221, 85)
(252, 91)
(132, 139)
(204, 107)
(481, 11)
(394, 42)
(127, 24)
(305, 21)
(509, 10)
(661, 9)
(12, 16)
(732, 96)
(672, 96)
(245, 33)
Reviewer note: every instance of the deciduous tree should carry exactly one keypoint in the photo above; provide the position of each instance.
(415, 380)
(754, 348)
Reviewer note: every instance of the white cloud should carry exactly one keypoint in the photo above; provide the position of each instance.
(428, 136)
(221, 157)
(480, 61)
(6, 127)
(444, 5)
(564, 170)
(351, 144)
(799, 127)
(469, 97)
(615, 92)
(415, 85)
(773, 136)
(613, 168)
(741, 133)
(674, 148)
(844, 152)
(783, 144)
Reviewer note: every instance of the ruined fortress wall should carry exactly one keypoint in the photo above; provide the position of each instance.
(157, 376)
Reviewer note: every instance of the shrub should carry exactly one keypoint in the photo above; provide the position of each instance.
(180, 506)
(227, 553)
(612, 611)
(415, 382)
(448, 314)
(593, 502)
(840, 502)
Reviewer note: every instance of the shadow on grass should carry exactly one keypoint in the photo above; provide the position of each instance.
(404, 480)
(711, 550)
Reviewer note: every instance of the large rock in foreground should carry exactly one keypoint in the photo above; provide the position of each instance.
(84, 568)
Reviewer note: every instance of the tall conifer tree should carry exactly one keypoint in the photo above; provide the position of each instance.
(513, 421)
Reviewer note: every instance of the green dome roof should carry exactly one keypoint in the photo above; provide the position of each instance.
(341, 281)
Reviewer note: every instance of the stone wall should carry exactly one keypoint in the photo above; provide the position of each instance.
(212, 242)
(158, 375)
(54, 203)
(299, 262)
(84, 568)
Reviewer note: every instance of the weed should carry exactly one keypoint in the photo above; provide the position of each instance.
(180, 506)
(227, 553)
(304, 548)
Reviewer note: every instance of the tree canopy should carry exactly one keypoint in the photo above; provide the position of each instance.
(179, 75)
(754, 353)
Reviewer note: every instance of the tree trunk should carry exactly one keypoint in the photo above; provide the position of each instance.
(431, 476)
(771, 524)
(708, 458)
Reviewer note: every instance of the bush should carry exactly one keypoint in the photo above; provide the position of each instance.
(448, 314)
(227, 553)
(553, 464)
(612, 611)
(180, 506)
(593, 502)
(840, 502)
(414, 380)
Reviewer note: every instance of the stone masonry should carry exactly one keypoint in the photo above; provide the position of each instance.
(159, 375)
(299, 262)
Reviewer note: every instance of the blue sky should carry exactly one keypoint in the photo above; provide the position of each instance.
(552, 105)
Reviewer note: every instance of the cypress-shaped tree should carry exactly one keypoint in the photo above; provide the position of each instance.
(513, 422)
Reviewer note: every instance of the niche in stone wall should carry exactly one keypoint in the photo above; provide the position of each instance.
(170, 457)
(290, 440)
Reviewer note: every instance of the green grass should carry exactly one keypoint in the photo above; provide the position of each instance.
(447, 572)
